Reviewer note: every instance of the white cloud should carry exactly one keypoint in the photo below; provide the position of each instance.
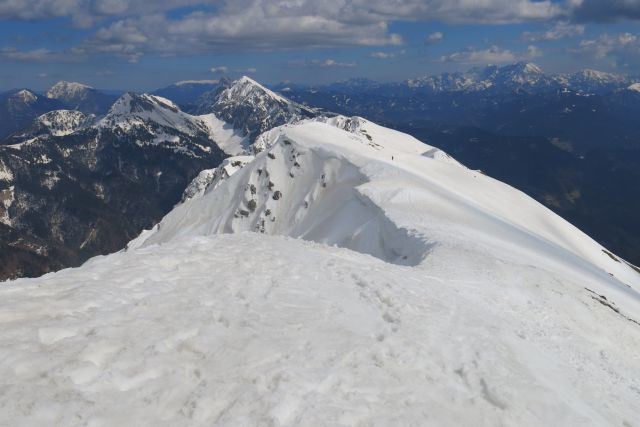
(435, 38)
(36, 55)
(491, 55)
(131, 28)
(219, 70)
(382, 55)
(559, 31)
(326, 63)
(620, 50)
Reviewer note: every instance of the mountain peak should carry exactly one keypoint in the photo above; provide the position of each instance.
(250, 107)
(244, 86)
(62, 122)
(25, 96)
(65, 90)
(529, 67)
(635, 87)
(132, 103)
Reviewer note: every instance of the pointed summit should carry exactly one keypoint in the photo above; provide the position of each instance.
(250, 107)
(81, 97)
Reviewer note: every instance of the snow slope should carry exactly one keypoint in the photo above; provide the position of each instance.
(453, 299)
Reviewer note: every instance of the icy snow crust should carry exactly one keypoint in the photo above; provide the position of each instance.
(479, 307)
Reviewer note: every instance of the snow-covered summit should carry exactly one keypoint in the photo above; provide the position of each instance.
(150, 112)
(62, 122)
(355, 184)
(78, 96)
(252, 108)
(68, 90)
(24, 96)
(635, 87)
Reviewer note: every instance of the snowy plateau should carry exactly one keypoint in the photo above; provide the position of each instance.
(338, 273)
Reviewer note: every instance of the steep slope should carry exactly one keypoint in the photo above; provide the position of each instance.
(72, 189)
(77, 96)
(385, 193)
(479, 306)
(18, 109)
(251, 108)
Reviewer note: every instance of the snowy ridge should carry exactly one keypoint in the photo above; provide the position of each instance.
(478, 307)
(62, 122)
(68, 90)
(516, 76)
(315, 179)
(150, 113)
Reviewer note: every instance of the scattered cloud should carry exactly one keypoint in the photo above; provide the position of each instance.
(491, 55)
(219, 70)
(434, 38)
(132, 28)
(560, 30)
(326, 63)
(621, 50)
(382, 55)
(36, 55)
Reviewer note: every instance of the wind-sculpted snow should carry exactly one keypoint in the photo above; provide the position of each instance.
(350, 188)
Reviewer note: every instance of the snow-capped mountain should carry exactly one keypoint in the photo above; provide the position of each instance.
(592, 80)
(384, 284)
(153, 120)
(252, 108)
(18, 108)
(78, 96)
(55, 123)
(75, 187)
(635, 87)
(520, 76)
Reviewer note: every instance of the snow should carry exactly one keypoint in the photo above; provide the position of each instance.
(634, 87)
(266, 330)
(230, 140)
(244, 86)
(5, 172)
(63, 122)
(26, 96)
(386, 285)
(7, 197)
(149, 112)
(67, 90)
(209, 179)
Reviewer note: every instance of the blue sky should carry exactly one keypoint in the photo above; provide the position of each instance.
(142, 45)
